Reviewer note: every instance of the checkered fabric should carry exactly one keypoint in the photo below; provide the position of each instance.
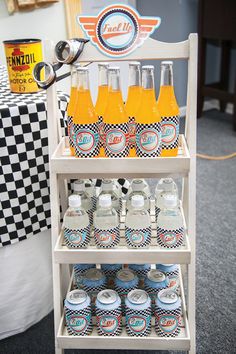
(116, 140)
(86, 140)
(170, 238)
(148, 140)
(109, 322)
(70, 131)
(79, 238)
(170, 132)
(85, 315)
(138, 323)
(24, 170)
(138, 238)
(161, 327)
(107, 238)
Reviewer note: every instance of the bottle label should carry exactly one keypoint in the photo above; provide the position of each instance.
(170, 132)
(86, 140)
(107, 238)
(138, 238)
(78, 323)
(77, 238)
(70, 130)
(116, 140)
(148, 140)
(132, 131)
(138, 324)
(170, 238)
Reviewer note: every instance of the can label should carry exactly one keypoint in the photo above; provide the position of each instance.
(116, 140)
(138, 323)
(167, 322)
(132, 132)
(170, 238)
(107, 238)
(108, 322)
(138, 238)
(170, 132)
(86, 140)
(21, 59)
(77, 238)
(148, 140)
(79, 322)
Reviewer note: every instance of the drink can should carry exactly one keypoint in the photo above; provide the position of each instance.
(108, 313)
(125, 281)
(154, 282)
(141, 270)
(172, 272)
(93, 281)
(167, 313)
(138, 313)
(110, 271)
(78, 313)
(79, 270)
(21, 56)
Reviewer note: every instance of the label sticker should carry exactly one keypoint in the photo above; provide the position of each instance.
(118, 29)
(107, 238)
(77, 323)
(168, 323)
(139, 237)
(137, 324)
(109, 324)
(115, 140)
(170, 132)
(148, 139)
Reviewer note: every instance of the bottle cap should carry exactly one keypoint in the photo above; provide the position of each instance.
(79, 185)
(134, 63)
(107, 185)
(105, 200)
(148, 67)
(103, 64)
(74, 201)
(170, 200)
(137, 185)
(114, 68)
(167, 62)
(82, 68)
(137, 201)
(76, 297)
(107, 296)
(167, 184)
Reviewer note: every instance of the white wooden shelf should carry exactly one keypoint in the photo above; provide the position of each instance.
(123, 341)
(63, 163)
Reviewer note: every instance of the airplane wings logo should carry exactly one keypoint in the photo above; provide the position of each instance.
(118, 29)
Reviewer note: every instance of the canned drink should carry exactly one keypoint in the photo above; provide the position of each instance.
(138, 313)
(141, 270)
(108, 313)
(154, 282)
(172, 272)
(125, 281)
(93, 281)
(79, 270)
(21, 56)
(78, 313)
(110, 271)
(167, 313)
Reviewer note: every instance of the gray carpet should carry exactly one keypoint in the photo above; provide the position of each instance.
(216, 244)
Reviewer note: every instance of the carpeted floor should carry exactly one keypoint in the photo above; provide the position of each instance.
(216, 244)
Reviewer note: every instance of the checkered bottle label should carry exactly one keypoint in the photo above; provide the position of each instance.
(109, 323)
(148, 140)
(170, 238)
(138, 238)
(138, 323)
(86, 140)
(107, 238)
(170, 132)
(79, 322)
(116, 140)
(101, 131)
(132, 132)
(77, 238)
(167, 322)
(70, 131)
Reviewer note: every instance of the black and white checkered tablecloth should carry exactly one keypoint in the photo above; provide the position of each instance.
(24, 170)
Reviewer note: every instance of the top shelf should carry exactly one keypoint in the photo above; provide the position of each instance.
(63, 163)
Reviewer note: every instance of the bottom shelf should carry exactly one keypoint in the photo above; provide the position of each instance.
(123, 341)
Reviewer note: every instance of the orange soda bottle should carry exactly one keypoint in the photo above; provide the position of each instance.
(71, 108)
(102, 101)
(85, 119)
(134, 94)
(116, 127)
(169, 110)
(148, 118)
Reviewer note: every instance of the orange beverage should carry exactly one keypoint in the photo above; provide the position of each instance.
(148, 118)
(85, 119)
(134, 94)
(116, 127)
(70, 110)
(169, 110)
(102, 101)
